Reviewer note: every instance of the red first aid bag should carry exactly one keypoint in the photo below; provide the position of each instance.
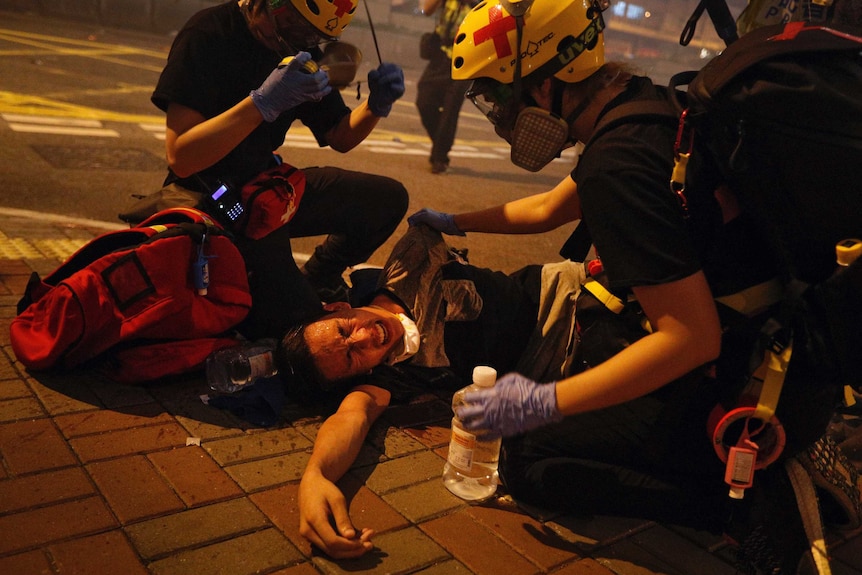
(270, 200)
(133, 298)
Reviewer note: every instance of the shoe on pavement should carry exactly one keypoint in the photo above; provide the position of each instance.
(439, 167)
(778, 527)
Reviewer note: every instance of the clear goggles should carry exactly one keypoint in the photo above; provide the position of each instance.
(495, 100)
(294, 30)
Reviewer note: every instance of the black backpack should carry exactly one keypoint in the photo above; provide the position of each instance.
(777, 117)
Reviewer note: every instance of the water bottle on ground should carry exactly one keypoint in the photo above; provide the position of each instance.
(234, 368)
(471, 467)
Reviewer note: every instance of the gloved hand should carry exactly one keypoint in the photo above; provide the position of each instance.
(386, 84)
(440, 221)
(514, 405)
(289, 86)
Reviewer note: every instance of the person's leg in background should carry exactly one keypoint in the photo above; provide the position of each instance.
(356, 211)
(439, 102)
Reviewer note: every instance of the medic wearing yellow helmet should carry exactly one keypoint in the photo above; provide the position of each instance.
(239, 75)
(507, 46)
(295, 25)
(627, 435)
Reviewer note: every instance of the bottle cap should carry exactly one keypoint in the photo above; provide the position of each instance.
(484, 376)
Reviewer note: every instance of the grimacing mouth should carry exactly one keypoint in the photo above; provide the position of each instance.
(382, 333)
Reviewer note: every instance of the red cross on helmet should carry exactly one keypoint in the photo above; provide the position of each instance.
(329, 17)
(562, 38)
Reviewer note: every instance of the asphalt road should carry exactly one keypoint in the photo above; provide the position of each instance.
(80, 137)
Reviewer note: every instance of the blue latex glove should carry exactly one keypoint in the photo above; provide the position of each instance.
(386, 84)
(514, 405)
(440, 221)
(287, 87)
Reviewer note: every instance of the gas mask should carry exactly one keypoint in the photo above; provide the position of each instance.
(410, 342)
(536, 136)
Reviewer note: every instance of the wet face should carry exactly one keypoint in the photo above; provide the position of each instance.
(352, 341)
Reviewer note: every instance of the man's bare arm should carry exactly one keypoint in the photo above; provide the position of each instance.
(323, 513)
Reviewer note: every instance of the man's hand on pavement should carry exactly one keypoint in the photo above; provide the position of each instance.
(325, 522)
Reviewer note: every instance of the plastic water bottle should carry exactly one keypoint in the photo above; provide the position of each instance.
(233, 368)
(471, 467)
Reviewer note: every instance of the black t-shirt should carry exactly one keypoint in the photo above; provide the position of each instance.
(214, 63)
(636, 221)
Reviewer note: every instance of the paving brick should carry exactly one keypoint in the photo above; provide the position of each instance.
(63, 396)
(30, 563)
(28, 529)
(7, 369)
(527, 536)
(679, 552)
(133, 488)
(626, 558)
(128, 441)
(269, 472)
(393, 442)
(205, 422)
(596, 531)
(404, 471)
(195, 477)
(156, 538)
(445, 568)
(423, 500)
(43, 488)
(20, 408)
(10, 267)
(432, 435)
(301, 569)
(402, 551)
(12, 388)
(462, 536)
(256, 446)
(103, 554)
(80, 424)
(121, 397)
(28, 446)
(589, 567)
(259, 552)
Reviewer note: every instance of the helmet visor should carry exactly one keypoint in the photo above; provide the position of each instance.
(294, 29)
(495, 100)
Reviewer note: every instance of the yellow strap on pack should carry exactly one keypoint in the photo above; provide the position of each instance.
(602, 294)
(771, 372)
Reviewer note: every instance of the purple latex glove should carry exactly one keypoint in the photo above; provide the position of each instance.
(514, 405)
(288, 86)
(440, 221)
(386, 84)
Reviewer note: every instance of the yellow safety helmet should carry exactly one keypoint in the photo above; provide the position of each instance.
(561, 38)
(329, 17)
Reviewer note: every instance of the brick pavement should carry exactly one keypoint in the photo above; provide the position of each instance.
(98, 478)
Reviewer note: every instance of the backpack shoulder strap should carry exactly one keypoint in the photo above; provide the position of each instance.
(644, 110)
